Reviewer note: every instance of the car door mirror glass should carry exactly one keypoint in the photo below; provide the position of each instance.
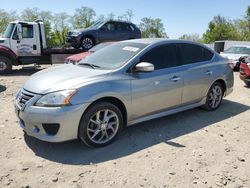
(144, 67)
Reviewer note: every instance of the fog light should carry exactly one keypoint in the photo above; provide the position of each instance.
(51, 128)
(35, 129)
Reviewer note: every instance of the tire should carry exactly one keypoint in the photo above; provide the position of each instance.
(94, 130)
(5, 65)
(214, 100)
(247, 83)
(87, 43)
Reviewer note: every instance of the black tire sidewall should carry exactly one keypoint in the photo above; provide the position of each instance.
(247, 83)
(8, 64)
(82, 131)
(207, 105)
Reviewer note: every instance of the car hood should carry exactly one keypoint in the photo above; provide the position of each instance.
(62, 77)
(233, 56)
(81, 30)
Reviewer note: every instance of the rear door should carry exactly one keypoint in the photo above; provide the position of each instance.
(161, 89)
(123, 31)
(198, 71)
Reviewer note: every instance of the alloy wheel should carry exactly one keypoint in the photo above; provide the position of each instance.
(102, 126)
(87, 43)
(215, 96)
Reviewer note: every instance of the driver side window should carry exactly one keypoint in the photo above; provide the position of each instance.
(164, 56)
(27, 31)
(109, 26)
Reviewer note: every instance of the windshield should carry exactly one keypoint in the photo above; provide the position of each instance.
(96, 25)
(238, 50)
(114, 56)
(9, 30)
(100, 46)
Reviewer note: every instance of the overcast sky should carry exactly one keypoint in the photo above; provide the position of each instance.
(179, 16)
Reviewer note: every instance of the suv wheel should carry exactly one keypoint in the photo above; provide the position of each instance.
(87, 43)
(214, 97)
(5, 65)
(100, 125)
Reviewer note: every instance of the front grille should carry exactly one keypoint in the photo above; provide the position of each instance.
(23, 97)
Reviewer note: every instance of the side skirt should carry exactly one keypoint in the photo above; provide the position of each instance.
(168, 112)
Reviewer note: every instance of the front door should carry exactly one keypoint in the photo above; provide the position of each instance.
(157, 91)
(27, 46)
(108, 32)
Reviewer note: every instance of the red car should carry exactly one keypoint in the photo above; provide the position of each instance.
(245, 70)
(74, 59)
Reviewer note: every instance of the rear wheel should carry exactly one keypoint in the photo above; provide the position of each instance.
(5, 65)
(214, 97)
(100, 124)
(87, 43)
(247, 83)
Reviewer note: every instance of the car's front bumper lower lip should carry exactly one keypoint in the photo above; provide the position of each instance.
(32, 119)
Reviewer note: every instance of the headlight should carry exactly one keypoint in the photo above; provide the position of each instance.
(56, 99)
(248, 65)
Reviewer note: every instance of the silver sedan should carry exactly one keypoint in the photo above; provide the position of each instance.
(120, 85)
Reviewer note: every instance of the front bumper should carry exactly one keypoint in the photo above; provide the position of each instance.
(32, 119)
(73, 40)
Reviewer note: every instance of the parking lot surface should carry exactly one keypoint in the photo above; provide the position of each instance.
(194, 148)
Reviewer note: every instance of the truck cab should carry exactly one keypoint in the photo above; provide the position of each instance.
(25, 43)
(21, 43)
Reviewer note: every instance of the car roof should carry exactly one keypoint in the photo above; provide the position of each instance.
(245, 46)
(150, 41)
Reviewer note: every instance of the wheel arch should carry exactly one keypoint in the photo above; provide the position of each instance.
(113, 100)
(223, 83)
(9, 55)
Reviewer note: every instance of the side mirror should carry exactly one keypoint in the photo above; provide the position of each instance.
(144, 67)
(19, 31)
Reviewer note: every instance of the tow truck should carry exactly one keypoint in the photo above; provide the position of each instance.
(25, 43)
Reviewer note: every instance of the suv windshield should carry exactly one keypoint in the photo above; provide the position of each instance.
(238, 50)
(96, 25)
(9, 30)
(114, 56)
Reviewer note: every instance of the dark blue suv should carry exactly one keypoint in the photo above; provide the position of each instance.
(102, 31)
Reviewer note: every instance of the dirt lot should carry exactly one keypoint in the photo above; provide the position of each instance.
(190, 149)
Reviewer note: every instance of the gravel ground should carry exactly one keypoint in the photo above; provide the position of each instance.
(194, 148)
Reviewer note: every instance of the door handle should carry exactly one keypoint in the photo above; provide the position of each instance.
(18, 41)
(34, 47)
(209, 72)
(175, 78)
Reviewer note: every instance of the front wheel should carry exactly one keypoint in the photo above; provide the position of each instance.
(87, 43)
(5, 65)
(214, 97)
(100, 124)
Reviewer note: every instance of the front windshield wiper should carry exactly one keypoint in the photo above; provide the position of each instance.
(91, 65)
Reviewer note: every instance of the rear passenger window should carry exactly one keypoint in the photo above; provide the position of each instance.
(123, 27)
(161, 57)
(192, 53)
